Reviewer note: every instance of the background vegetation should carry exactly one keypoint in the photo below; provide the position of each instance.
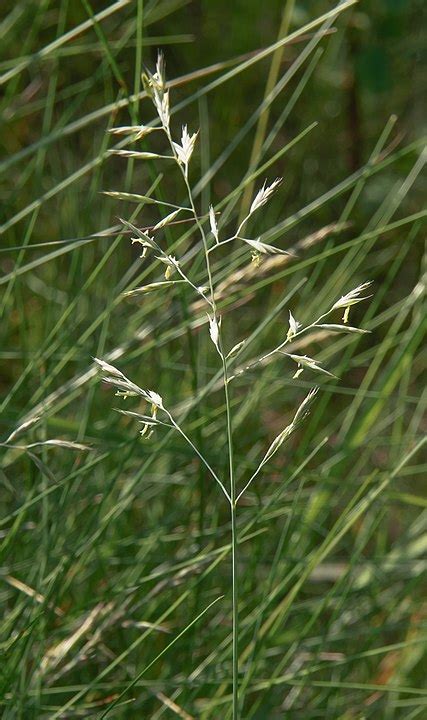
(108, 554)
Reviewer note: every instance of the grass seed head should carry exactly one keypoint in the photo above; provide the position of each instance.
(213, 224)
(294, 326)
(303, 361)
(214, 326)
(107, 368)
(353, 297)
(185, 150)
(136, 131)
(263, 195)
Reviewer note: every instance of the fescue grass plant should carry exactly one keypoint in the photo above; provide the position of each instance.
(241, 532)
(181, 153)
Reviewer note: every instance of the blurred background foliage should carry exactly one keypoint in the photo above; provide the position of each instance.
(116, 537)
(371, 68)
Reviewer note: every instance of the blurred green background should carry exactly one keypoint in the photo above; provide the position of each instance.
(107, 555)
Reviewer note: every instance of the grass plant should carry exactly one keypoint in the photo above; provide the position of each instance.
(257, 549)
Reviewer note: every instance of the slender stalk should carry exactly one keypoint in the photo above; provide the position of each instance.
(233, 504)
(234, 578)
(232, 495)
(199, 455)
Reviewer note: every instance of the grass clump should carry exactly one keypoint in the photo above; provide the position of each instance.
(258, 552)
